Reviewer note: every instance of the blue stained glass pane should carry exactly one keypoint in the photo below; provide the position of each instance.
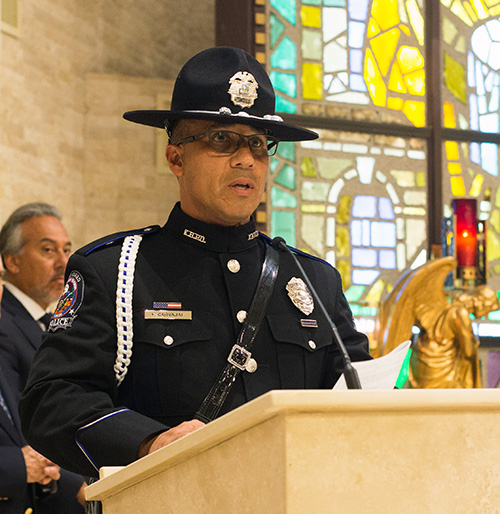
(284, 105)
(383, 234)
(283, 225)
(364, 276)
(474, 112)
(387, 259)
(364, 258)
(282, 198)
(479, 79)
(287, 150)
(494, 99)
(356, 61)
(356, 233)
(471, 77)
(277, 28)
(489, 158)
(286, 8)
(358, 9)
(356, 34)
(284, 82)
(364, 207)
(482, 104)
(488, 83)
(357, 83)
(385, 210)
(285, 55)
(475, 153)
(488, 122)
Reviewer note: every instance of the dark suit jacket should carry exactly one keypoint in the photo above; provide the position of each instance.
(20, 336)
(15, 494)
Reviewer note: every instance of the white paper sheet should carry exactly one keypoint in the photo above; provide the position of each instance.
(380, 373)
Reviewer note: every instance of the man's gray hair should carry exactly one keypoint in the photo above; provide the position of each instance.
(11, 234)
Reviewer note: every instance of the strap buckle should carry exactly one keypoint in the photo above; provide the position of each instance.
(239, 357)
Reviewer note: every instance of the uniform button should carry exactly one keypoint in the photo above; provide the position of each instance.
(168, 340)
(233, 266)
(241, 316)
(312, 344)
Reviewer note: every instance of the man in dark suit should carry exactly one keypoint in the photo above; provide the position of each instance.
(35, 248)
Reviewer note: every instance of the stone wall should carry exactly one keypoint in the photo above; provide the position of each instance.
(67, 73)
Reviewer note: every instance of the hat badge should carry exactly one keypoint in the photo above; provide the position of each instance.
(300, 295)
(243, 89)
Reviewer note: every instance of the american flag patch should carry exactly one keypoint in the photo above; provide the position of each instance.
(167, 305)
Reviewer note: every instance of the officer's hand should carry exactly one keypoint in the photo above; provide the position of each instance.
(38, 468)
(173, 434)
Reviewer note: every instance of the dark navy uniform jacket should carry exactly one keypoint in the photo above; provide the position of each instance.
(72, 409)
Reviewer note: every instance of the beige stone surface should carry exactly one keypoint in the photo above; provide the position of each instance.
(292, 452)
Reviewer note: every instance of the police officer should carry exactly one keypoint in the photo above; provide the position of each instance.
(162, 329)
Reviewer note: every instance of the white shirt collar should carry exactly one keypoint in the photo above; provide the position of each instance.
(28, 303)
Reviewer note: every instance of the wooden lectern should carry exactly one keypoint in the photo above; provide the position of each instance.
(318, 452)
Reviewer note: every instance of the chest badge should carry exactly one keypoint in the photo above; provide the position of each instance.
(300, 295)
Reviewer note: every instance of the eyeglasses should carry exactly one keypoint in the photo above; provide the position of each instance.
(225, 141)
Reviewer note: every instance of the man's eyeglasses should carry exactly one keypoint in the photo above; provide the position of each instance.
(225, 141)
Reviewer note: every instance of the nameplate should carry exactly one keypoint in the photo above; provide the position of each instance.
(167, 314)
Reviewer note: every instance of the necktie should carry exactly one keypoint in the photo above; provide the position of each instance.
(4, 406)
(45, 319)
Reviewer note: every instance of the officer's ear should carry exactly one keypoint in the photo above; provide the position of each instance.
(174, 157)
(11, 263)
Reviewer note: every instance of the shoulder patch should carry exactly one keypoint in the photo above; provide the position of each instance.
(69, 303)
(117, 238)
(268, 240)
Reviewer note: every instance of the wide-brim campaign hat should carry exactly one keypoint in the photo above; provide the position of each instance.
(227, 85)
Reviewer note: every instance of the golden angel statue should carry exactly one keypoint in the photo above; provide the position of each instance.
(446, 353)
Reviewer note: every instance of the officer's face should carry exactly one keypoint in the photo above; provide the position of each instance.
(38, 270)
(221, 189)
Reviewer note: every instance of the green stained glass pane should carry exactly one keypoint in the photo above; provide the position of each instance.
(282, 198)
(307, 168)
(283, 225)
(312, 47)
(284, 82)
(285, 55)
(354, 293)
(274, 164)
(331, 168)
(311, 2)
(454, 77)
(494, 316)
(277, 28)
(286, 149)
(284, 105)
(334, 3)
(312, 230)
(286, 8)
(286, 177)
(315, 191)
(355, 309)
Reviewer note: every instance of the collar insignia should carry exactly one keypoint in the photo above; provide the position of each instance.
(300, 295)
(194, 235)
(243, 89)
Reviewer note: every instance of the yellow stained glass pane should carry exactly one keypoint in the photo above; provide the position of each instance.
(410, 59)
(446, 3)
(449, 115)
(495, 11)
(494, 220)
(373, 29)
(461, 47)
(342, 242)
(375, 292)
(449, 31)
(497, 198)
(405, 29)
(344, 268)
(470, 11)
(396, 80)
(480, 9)
(344, 209)
(374, 80)
(312, 230)
(395, 103)
(384, 46)
(307, 167)
(493, 246)
(415, 82)
(454, 168)
(458, 9)
(404, 178)
(421, 179)
(457, 186)
(490, 3)
(477, 185)
(451, 150)
(415, 112)
(386, 13)
(310, 16)
(313, 208)
(312, 83)
(416, 20)
(455, 77)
